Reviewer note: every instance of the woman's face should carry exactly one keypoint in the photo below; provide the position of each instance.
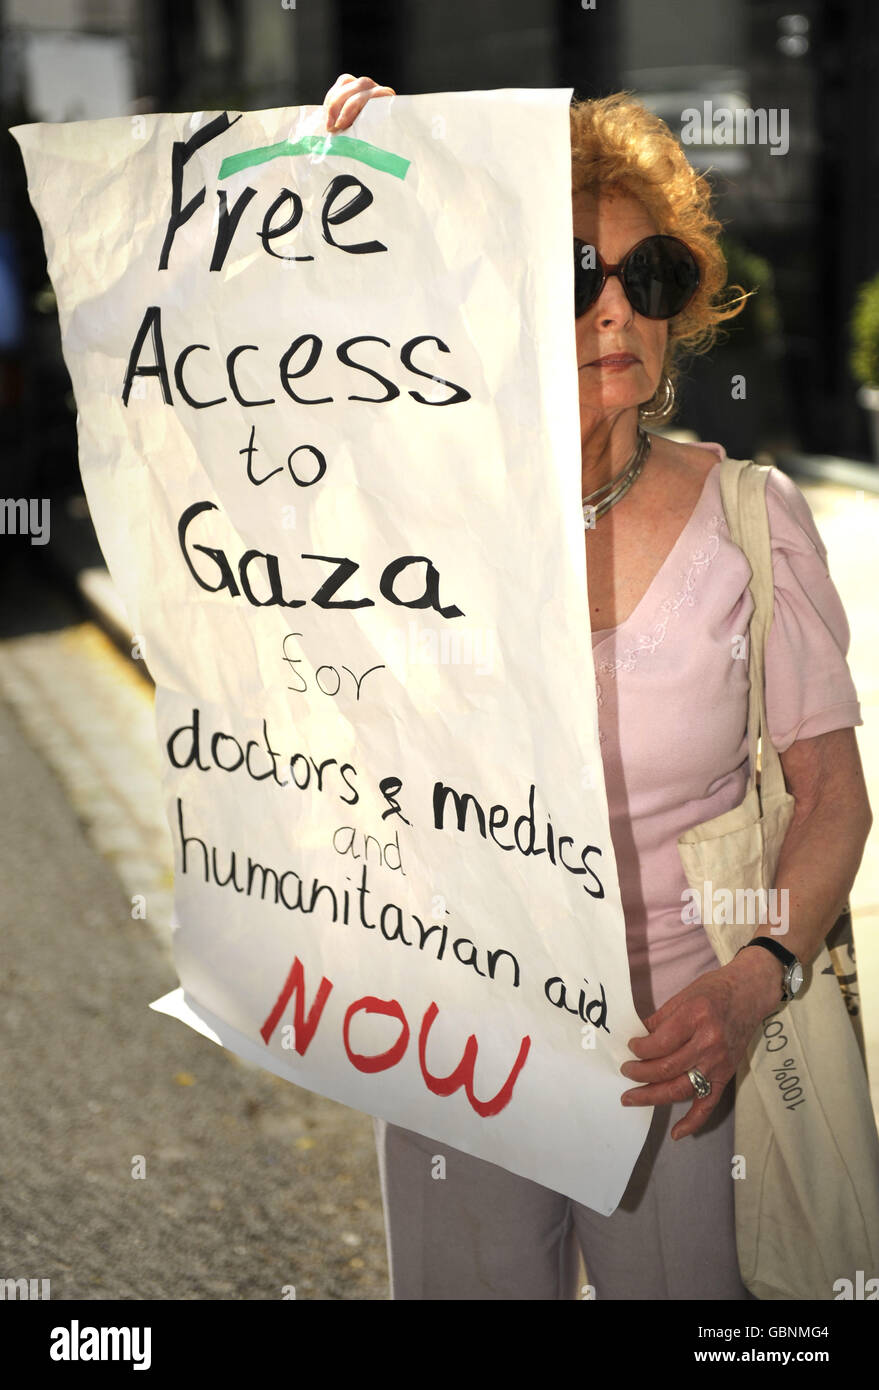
(613, 224)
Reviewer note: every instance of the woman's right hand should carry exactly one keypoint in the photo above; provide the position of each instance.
(347, 98)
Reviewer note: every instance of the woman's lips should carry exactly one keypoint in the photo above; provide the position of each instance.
(616, 361)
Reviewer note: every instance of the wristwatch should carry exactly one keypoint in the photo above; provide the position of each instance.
(792, 979)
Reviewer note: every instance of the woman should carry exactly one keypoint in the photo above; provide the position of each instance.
(669, 601)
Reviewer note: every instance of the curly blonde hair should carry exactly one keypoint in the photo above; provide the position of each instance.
(618, 146)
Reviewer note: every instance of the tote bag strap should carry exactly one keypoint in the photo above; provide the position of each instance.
(743, 491)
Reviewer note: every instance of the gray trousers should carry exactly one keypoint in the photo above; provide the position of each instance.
(481, 1232)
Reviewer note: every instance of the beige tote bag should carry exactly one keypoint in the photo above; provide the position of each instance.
(807, 1199)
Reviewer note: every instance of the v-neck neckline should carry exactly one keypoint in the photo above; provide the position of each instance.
(602, 633)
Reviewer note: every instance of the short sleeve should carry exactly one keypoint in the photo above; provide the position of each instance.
(809, 688)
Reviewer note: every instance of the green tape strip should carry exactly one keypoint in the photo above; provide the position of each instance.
(319, 144)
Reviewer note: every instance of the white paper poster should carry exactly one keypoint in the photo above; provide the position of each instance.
(329, 436)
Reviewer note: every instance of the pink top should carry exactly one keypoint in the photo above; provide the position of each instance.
(673, 708)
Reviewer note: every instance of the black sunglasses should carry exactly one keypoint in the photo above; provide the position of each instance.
(659, 276)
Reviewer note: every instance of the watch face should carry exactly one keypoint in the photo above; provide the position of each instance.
(795, 979)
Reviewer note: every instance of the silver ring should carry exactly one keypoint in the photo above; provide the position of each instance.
(701, 1084)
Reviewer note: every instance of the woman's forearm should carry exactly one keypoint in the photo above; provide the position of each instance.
(819, 861)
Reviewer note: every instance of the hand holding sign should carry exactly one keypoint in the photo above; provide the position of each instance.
(342, 103)
(708, 1025)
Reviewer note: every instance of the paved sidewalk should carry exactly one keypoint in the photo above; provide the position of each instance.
(848, 520)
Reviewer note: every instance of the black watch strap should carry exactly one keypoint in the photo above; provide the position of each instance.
(789, 983)
(780, 952)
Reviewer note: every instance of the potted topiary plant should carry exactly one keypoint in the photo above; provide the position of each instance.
(864, 360)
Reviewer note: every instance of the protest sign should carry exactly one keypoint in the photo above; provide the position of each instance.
(329, 436)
